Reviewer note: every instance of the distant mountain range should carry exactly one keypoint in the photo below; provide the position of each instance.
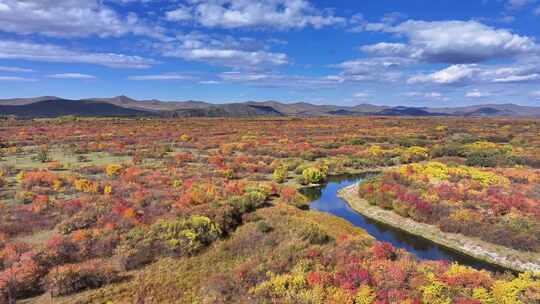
(50, 106)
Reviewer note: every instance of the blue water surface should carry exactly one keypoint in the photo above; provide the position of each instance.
(326, 199)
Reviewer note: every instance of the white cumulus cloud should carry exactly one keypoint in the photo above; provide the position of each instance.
(454, 74)
(463, 74)
(453, 42)
(10, 49)
(238, 53)
(278, 14)
(69, 18)
(386, 69)
(181, 13)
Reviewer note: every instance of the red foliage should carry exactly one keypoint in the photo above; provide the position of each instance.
(384, 250)
(318, 278)
(39, 178)
(352, 277)
(288, 194)
(20, 278)
(217, 160)
(469, 280)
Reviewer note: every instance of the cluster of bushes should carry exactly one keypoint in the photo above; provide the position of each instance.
(42, 155)
(71, 278)
(377, 156)
(351, 273)
(487, 154)
(391, 195)
(482, 154)
(499, 207)
(280, 174)
(314, 175)
(292, 196)
(180, 237)
(81, 220)
(25, 271)
(419, 141)
(313, 234)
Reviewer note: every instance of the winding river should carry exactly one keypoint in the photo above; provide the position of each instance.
(325, 199)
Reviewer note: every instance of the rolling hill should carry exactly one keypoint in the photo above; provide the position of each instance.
(228, 110)
(62, 107)
(50, 106)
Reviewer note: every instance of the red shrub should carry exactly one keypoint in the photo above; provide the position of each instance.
(384, 250)
(71, 278)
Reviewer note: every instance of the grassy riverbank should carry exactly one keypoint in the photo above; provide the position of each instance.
(495, 254)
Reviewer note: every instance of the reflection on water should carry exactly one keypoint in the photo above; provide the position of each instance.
(325, 199)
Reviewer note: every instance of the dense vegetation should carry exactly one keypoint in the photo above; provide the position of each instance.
(207, 210)
(501, 206)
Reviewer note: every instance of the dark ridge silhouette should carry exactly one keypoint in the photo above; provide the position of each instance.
(343, 112)
(406, 111)
(228, 110)
(125, 106)
(62, 107)
(487, 111)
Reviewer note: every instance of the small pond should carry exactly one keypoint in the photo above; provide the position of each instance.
(325, 199)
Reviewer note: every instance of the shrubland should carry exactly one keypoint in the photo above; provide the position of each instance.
(501, 206)
(208, 210)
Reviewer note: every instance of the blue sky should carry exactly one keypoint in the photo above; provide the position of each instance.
(414, 52)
